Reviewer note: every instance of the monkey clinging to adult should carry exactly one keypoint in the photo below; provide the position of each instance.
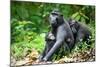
(62, 33)
(80, 31)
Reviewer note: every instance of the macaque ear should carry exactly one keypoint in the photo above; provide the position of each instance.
(61, 15)
(76, 23)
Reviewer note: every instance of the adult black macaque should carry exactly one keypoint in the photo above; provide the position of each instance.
(80, 31)
(61, 30)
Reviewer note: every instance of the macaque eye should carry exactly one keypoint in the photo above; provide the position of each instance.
(54, 14)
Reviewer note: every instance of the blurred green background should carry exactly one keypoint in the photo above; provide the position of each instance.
(29, 24)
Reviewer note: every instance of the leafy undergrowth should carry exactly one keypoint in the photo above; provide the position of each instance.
(74, 57)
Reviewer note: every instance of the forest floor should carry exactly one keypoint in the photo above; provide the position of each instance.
(31, 59)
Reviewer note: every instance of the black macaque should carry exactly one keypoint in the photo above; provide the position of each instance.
(62, 33)
(80, 31)
(50, 40)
